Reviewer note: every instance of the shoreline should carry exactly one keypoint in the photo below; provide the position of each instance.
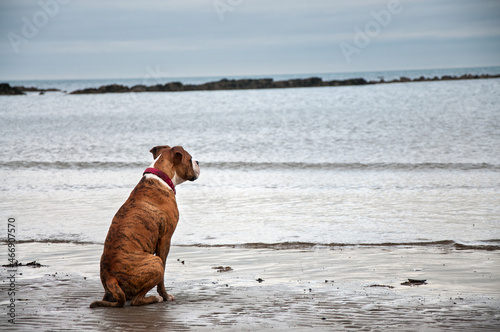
(290, 289)
(484, 245)
(240, 84)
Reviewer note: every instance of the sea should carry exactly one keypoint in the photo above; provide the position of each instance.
(406, 164)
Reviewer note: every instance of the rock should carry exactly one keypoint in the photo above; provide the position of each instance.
(114, 88)
(222, 268)
(420, 79)
(174, 86)
(352, 81)
(6, 89)
(34, 264)
(85, 91)
(377, 285)
(414, 282)
(18, 264)
(355, 81)
(138, 88)
(33, 89)
(155, 88)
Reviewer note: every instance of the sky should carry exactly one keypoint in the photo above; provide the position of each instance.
(86, 39)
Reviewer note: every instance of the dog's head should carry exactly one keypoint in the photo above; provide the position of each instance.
(176, 162)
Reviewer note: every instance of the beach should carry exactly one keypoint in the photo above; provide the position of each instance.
(313, 210)
(294, 166)
(321, 289)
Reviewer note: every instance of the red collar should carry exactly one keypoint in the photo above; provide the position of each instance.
(162, 176)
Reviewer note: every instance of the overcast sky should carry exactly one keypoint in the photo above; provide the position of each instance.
(57, 39)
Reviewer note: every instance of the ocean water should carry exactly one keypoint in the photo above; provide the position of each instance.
(414, 164)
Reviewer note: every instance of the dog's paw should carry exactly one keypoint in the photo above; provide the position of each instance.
(170, 297)
(159, 298)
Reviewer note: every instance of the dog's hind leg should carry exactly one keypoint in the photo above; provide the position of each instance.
(151, 273)
(108, 297)
(114, 290)
(141, 300)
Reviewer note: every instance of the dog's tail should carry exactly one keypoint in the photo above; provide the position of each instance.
(114, 288)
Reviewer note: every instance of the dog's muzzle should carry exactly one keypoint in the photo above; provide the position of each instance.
(196, 169)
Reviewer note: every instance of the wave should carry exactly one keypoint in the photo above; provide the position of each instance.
(486, 245)
(244, 165)
(51, 241)
(352, 166)
(77, 165)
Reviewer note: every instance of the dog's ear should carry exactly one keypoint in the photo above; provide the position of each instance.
(178, 154)
(156, 150)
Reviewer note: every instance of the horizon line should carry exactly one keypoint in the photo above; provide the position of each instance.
(248, 75)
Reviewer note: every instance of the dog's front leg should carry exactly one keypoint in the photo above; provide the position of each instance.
(162, 249)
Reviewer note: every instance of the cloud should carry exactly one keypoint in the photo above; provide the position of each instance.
(254, 34)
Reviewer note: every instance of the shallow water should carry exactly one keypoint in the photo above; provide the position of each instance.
(392, 164)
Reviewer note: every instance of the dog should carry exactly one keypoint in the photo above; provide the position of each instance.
(138, 240)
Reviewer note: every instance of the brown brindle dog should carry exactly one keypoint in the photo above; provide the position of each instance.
(138, 241)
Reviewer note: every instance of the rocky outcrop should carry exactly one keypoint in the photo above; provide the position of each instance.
(264, 83)
(353, 81)
(435, 78)
(224, 84)
(242, 84)
(6, 89)
(113, 88)
(33, 89)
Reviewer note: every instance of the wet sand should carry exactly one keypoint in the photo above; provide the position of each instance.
(321, 289)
